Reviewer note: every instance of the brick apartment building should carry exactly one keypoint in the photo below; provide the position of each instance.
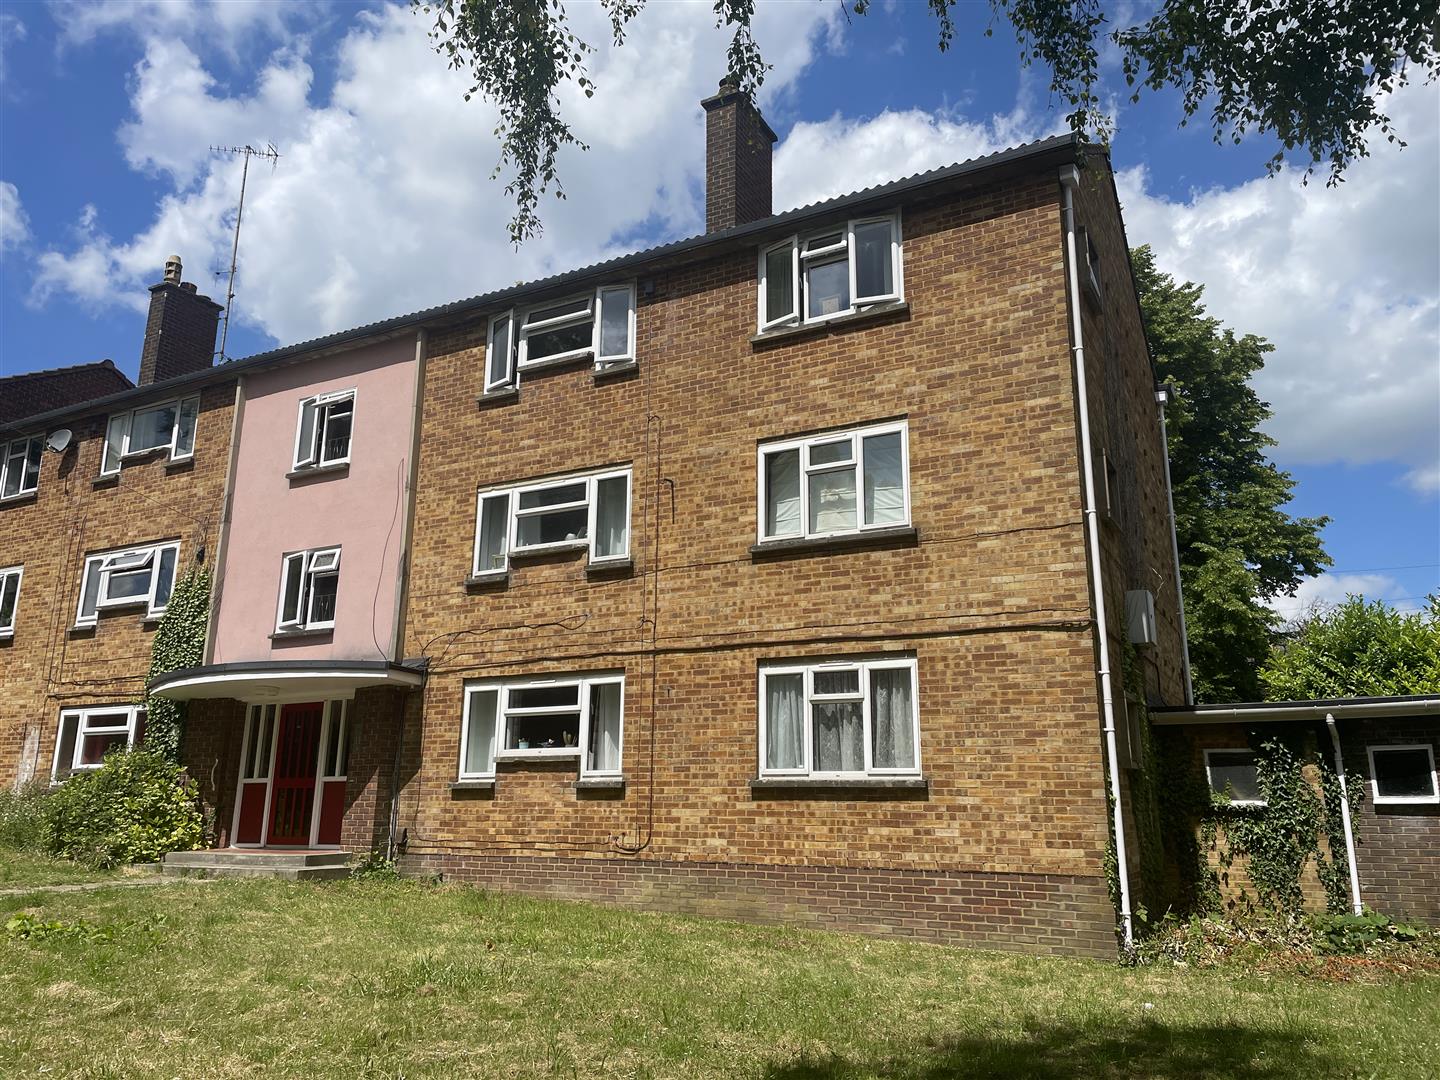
(818, 568)
(95, 531)
(837, 661)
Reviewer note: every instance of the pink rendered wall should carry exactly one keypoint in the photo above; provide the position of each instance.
(361, 510)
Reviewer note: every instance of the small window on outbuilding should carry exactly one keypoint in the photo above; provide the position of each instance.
(1403, 774)
(1233, 773)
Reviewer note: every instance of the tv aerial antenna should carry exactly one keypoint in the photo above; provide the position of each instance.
(247, 151)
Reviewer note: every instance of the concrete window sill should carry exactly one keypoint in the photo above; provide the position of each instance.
(614, 372)
(549, 549)
(617, 567)
(20, 500)
(859, 783)
(315, 472)
(181, 465)
(900, 536)
(498, 579)
(786, 334)
(492, 398)
(601, 783)
(292, 635)
(473, 785)
(108, 481)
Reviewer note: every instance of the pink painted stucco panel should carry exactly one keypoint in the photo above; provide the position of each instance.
(360, 509)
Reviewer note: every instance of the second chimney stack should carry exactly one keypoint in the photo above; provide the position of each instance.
(180, 331)
(737, 160)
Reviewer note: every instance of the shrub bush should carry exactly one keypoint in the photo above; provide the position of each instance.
(134, 808)
(22, 817)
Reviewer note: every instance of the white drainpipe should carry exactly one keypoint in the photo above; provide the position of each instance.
(1162, 397)
(1345, 817)
(1069, 178)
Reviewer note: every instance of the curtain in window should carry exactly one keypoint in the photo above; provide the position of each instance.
(785, 721)
(839, 737)
(494, 519)
(612, 524)
(604, 728)
(832, 501)
(884, 480)
(874, 271)
(480, 738)
(892, 717)
(782, 493)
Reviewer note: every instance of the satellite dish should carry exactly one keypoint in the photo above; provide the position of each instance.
(58, 440)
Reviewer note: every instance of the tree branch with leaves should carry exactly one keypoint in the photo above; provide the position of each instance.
(1311, 73)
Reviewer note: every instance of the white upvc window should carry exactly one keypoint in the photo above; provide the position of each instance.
(128, 578)
(20, 466)
(1402, 775)
(86, 735)
(599, 324)
(579, 716)
(309, 587)
(834, 484)
(845, 268)
(335, 747)
(168, 424)
(585, 510)
(840, 719)
(322, 435)
(1231, 773)
(9, 598)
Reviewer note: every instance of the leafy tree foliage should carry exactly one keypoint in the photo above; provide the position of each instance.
(1238, 548)
(1313, 75)
(1358, 648)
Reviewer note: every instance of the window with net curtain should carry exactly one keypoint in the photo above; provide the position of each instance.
(564, 716)
(576, 511)
(843, 718)
(835, 484)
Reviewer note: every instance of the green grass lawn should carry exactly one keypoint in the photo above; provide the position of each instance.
(22, 868)
(397, 979)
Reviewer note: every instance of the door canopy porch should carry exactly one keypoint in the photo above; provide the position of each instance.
(285, 680)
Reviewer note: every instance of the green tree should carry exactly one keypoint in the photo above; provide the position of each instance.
(1358, 648)
(1238, 548)
(1313, 75)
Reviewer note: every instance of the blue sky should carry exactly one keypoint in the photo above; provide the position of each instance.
(383, 201)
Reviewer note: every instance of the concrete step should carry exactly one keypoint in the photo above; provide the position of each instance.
(286, 865)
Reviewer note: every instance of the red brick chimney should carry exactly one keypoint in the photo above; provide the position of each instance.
(180, 332)
(737, 160)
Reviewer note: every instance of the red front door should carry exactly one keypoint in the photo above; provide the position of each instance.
(292, 793)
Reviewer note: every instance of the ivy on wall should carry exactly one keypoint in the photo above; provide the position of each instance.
(179, 643)
(1300, 825)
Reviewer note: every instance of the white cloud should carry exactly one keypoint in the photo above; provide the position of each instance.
(1344, 281)
(382, 201)
(14, 223)
(1326, 590)
(1425, 479)
(12, 32)
(831, 157)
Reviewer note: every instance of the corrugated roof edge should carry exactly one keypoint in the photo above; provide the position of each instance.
(1064, 147)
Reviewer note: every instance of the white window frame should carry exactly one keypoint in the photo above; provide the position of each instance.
(314, 456)
(807, 669)
(108, 563)
(8, 574)
(513, 514)
(509, 378)
(799, 255)
(1403, 800)
(804, 444)
(519, 335)
(110, 462)
(336, 723)
(20, 450)
(328, 560)
(82, 716)
(499, 753)
(1209, 782)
